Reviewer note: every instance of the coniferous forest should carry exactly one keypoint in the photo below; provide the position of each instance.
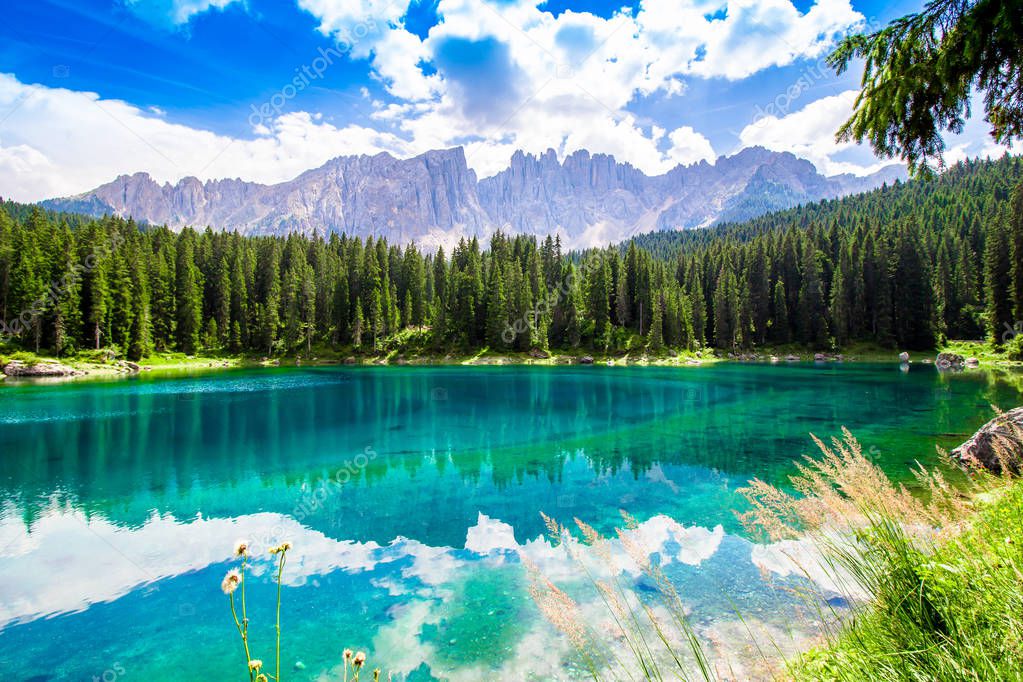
(904, 266)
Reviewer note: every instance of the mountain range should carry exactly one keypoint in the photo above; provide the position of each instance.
(435, 198)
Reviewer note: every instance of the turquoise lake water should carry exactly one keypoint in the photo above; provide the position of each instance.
(409, 494)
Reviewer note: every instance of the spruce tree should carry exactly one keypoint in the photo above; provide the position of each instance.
(28, 283)
(188, 296)
(913, 296)
(598, 294)
(655, 338)
(781, 331)
(998, 282)
(1014, 231)
(726, 310)
(841, 293)
(497, 309)
(813, 328)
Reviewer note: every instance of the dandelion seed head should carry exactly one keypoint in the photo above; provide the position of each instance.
(231, 581)
(255, 664)
(241, 548)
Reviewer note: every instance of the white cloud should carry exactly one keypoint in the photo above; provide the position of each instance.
(174, 13)
(689, 146)
(490, 535)
(737, 38)
(56, 142)
(810, 133)
(576, 73)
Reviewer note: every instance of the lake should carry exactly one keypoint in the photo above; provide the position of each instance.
(409, 494)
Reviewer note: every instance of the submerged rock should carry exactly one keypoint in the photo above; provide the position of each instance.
(950, 361)
(997, 444)
(586, 360)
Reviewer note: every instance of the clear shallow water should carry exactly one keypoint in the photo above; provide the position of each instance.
(409, 494)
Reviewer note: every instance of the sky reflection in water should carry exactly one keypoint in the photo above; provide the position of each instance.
(409, 495)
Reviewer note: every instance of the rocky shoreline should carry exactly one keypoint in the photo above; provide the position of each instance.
(16, 368)
(54, 369)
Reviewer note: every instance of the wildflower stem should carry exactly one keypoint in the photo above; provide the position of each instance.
(280, 573)
(241, 632)
(245, 617)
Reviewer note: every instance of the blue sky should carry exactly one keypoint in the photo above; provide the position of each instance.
(264, 89)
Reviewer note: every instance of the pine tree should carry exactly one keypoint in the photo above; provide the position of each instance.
(841, 293)
(28, 284)
(781, 331)
(998, 282)
(122, 318)
(598, 292)
(357, 325)
(946, 309)
(520, 307)
(67, 310)
(913, 296)
(812, 323)
(7, 241)
(687, 337)
(694, 288)
(655, 338)
(239, 305)
(497, 305)
(726, 310)
(1014, 231)
(758, 292)
(622, 301)
(140, 336)
(188, 295)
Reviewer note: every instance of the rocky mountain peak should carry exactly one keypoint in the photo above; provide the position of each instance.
(436, 198)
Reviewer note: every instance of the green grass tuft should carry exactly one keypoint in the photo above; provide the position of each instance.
(950, 611)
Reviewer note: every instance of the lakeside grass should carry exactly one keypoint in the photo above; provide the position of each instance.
(950, 611)
(414, 347)
(933, 580)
